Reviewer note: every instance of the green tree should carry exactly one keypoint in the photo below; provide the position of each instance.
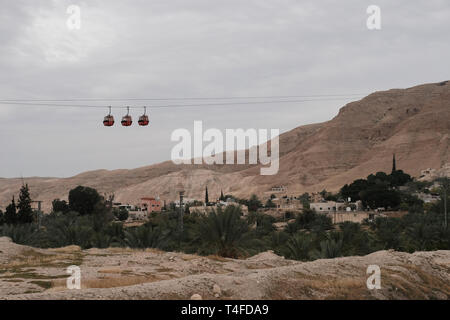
(262, 222)
(83, 200)
(146, 236)
(399, 178)
(445, 193)
(25, 212)
(378, 177)
(394, 165)
(305, 200)
(300, 246)
(411, 203)
(69, 229)
(254, 203)
(206, 196)
(354, 189)
(60, 206)
(21, 233)
(270, 204)
(355, 240)
(330, 249)
(388, 231)
(222, 232)
(120, 214)
(379, 195)
(11, 213)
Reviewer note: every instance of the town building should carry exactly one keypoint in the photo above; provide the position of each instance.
(150, 204)
(207, 209)
(288, 203)
(333, 206)
(343, 211)
(278, 189)
(137, 215)
(428, 197)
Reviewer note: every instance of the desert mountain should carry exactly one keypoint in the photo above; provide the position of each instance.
(413, 123)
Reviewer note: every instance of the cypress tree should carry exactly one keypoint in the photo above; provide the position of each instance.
(206, 196)
(10, 213)
(394, 166)
(25, 212)
(222, 198)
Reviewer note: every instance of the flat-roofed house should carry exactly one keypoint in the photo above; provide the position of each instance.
(151, 204)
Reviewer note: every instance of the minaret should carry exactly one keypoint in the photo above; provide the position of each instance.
(393, 164)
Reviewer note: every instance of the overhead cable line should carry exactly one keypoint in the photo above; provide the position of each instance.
(180, 98)
(274, 97)
(33, 104)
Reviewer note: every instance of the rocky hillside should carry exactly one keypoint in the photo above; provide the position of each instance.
(29, 273)
(413, 123)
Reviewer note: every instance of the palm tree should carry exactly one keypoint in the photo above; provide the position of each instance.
(222, 232)
(300, 246)
(22, 234)
(69, 229)
(330, 248)
(145, 236)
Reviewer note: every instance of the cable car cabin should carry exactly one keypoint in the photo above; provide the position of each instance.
(127, 121)
(108, 121)
(143, 120)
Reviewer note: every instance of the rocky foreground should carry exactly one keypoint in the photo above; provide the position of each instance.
(116, 273)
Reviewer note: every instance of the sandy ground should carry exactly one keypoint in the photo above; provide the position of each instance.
(30, 273)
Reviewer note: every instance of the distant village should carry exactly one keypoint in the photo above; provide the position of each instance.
(278, 203)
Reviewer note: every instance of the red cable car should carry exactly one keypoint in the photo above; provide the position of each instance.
(108, 121)
(126, 120)
(143, 120)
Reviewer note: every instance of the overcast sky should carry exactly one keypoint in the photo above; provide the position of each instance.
(195, 48)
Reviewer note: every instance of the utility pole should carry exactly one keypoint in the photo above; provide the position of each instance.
(181, 211)
(39, 202)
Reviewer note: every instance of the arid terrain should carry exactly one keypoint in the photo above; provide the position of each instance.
(413, 123)
(30, 273)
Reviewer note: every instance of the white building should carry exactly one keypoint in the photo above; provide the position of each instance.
(427, 197)
(333, 206)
